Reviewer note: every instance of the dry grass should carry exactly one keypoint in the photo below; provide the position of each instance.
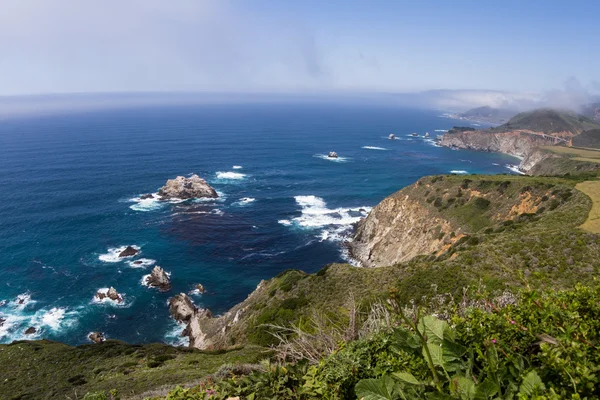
(592, 189)
(578, 153)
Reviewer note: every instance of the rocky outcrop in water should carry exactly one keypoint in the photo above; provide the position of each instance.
(332, 154)
(31, 330)
(129, 251)
(96, 337)
(159, 279)
(197, 320)
(111, 294)
(187, 188)
(200, 288)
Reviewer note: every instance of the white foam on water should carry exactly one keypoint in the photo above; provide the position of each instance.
(469, 161)
(173, 336)
(495, 164)
(144, 281)
(53, 320)
(332, 159)
(441, 130)
(21, 302)
(237, 167)
(459, 171)
(514, 168)
(151, 204)
(333, 224)
(107, 301)
(432, 142)
(374, 148)
(230, 175)
(141, 263)
(244, 201)
(112, 254)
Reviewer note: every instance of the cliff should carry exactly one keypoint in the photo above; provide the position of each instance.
(523, 135)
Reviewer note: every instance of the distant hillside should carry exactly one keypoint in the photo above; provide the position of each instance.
(488, 114)
(548, 121)
(589, 138)
(592, 111)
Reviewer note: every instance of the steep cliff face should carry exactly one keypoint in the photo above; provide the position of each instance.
(398, 229)
(514, 143)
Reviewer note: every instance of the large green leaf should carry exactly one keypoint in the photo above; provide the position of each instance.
(486, 390)
(464, 388)
(437, 354)
(406, 340)
(375, 389)
(432, 328)
(407, 377)
(532, 383)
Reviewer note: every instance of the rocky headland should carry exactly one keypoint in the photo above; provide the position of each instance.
(523, 136)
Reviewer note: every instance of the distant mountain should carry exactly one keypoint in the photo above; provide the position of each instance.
(549, 121)
(488, 114)
(592, 111)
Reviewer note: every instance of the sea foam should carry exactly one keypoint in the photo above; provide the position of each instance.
(374, 148)
(332, 159)
(244, 201)
(459, 171)
(141, 263)
(112, 254)
(333, 224)
(230, 175)
(514, 168)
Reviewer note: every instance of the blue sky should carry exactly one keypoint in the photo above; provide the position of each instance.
(63, 46)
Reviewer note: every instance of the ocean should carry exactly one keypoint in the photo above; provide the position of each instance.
(70, 200)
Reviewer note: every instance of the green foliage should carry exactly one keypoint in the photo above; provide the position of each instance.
(535, 345)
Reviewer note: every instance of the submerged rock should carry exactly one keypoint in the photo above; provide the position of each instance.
(111, 293)
(392, 136)
(2, 320)
(187, 188)
(146, 196)
(332, 154)
(128, 252)
(158, 278)
(31, 330)
(96, 337)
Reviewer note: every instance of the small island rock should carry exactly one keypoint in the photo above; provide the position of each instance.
(111, 293)
(392, 136)
(128, 252)
(200, 288)
(30, 331)
(158, 278)
(187, 188)
(332, 154)
(96, 337)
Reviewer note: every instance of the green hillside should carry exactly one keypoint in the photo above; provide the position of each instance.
(589, 139)
(549, 121)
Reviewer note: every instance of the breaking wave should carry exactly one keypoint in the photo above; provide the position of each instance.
(112, 254)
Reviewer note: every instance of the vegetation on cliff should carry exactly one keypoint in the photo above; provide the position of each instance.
(528, 345)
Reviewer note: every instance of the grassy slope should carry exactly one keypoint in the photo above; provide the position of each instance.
(546, 248)
(590, 139)
(51, 370)
(592, 189)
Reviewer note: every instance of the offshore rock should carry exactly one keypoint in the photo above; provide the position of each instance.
(187, 188)
(128, 252)
(111, 294)
(96, 337)
(158, 278)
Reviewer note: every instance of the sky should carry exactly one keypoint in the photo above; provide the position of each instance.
(297, 46)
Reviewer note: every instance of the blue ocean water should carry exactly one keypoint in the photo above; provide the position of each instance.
(70, 183)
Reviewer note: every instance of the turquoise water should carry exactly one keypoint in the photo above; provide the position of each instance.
(70, 183)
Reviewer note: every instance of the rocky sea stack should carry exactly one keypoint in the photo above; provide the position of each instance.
(159, 279)
(129, 252)
(181, 187)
